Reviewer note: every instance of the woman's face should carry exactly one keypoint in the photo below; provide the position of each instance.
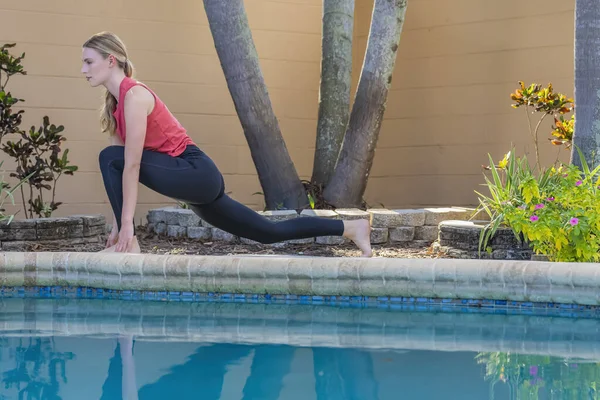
(96, 68)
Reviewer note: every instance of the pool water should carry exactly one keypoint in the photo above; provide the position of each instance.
(115, 349)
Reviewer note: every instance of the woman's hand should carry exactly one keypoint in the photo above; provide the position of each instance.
(126, 236)
(113, 237)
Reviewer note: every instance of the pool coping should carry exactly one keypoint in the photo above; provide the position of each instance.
(511, 280)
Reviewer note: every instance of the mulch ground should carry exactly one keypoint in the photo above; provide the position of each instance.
(154, 244)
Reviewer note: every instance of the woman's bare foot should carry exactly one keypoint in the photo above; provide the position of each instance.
(110, 249)
(135, 247)
(359, 231)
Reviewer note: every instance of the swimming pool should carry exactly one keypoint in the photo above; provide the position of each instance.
(170, 347)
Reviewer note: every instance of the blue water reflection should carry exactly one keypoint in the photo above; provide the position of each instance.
(76, 349)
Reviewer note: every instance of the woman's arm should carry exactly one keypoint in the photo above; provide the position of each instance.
(115, 140)
(139, 102)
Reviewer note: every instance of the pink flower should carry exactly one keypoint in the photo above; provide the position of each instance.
(574, 221)
(578, 183)
(533, 370)
(551, 198)
(539, 206)
(534, 218)
(566, 175)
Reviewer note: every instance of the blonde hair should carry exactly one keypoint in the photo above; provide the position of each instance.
(107, 43)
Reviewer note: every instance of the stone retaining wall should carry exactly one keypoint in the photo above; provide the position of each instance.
(460, 239)
(76, 229)
(411, 227)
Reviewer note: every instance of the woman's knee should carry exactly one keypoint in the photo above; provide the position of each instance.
(109, 154)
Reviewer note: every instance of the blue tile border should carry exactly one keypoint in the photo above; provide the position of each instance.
(392, 303)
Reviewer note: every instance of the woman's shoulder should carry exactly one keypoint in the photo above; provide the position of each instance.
(140, 94)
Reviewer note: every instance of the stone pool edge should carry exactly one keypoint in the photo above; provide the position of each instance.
(524, 281)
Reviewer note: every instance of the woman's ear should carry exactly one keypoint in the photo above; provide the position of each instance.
(111, 60)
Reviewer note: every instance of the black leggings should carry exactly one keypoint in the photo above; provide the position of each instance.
(193, 178)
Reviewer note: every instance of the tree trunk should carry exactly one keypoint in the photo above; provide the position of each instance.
(336, 79)
(587, 82)
(349, 181)
(235, 47)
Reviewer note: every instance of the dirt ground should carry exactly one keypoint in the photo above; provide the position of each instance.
(151, 243)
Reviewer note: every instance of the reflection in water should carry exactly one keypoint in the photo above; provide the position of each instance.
(74, 349)
(339, 373)
(38, 369)
(540, 377)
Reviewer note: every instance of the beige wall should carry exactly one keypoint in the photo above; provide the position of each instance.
(458, 61)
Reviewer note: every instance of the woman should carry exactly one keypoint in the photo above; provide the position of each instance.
(150, 146)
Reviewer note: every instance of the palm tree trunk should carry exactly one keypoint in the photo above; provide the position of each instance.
(587, 82)
(349, 181)
(235, 47)
(336, 79)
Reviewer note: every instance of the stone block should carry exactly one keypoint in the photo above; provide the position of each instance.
(379, 235)
(160, 228)
(205, 224)
(60, 232)
(18, 224)
(411, 217)
(18, 234)
(48, 223)
(402, 234)
(158, 215)
(219, 235)
(198, 232)
(93, 230)
(332, 240)
(427, 233)
(172, 216)
(382, 218)
(188, 218)
(504, 238)
(433, 216)
(352, 213)
(300, 241)
(320, 214)
(279, 215)
(176, 231)
(90, 220)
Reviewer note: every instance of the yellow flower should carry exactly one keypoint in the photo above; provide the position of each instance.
(502, 164)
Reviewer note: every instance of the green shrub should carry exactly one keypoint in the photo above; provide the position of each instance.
(557, 212)
(37, 152)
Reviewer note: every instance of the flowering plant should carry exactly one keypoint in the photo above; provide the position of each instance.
(557, 212)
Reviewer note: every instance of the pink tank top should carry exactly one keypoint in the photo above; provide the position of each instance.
(163, 132)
